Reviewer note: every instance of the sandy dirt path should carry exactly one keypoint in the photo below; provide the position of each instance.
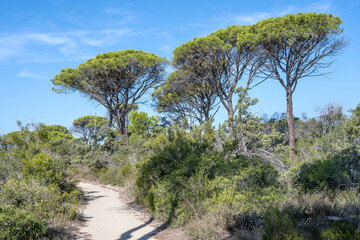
(108, 218)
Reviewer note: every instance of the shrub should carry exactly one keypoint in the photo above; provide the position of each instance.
(42, 168)
(341, 231)
(111, 176)
(20, 224)
(185, 181)
(279, 225)
(339, 171)
(48, 202)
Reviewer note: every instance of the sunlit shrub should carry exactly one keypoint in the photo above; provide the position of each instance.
(48, 202)
(43, 169)
(18, 223)
(340, 231)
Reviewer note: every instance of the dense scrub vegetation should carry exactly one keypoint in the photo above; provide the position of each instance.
(37, 200)
(252, 177)
(200, 178)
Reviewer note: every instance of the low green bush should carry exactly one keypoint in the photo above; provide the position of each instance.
(279, 225)
(340, 231)
(186, 181)
(48, 202)
(43, 169)
(18, 223)
(339, 171)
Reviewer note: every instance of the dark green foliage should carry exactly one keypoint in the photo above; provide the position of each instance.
(34, 137)
(42, 168)
(39, 200)
(48, 202)
(91, 128)
(308, 216)
(341, 231)
(117, 80)
(143, 125)
(185, 94)
(278, 225)
(179, 179)
(17, 224)
(339, 171)
(353, 125)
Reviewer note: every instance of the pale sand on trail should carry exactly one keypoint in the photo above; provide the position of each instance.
(108, 218)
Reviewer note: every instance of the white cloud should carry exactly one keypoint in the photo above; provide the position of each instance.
(123, 18)
(47, 38)
(287, 10)
(145, 31)
(26, 74)
(115, 32)
(105, 37)
(49, 59)
(251, 18)
(24, 44)
(94, 42)
(321, 7)
(324, 6)
(5, 53)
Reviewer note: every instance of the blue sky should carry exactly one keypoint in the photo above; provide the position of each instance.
(39, 38)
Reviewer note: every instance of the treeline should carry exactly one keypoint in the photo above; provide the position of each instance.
(251, 177)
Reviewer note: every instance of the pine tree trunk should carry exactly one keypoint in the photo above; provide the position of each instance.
(110, 119)
(120, 122)
(231, 121)
(290, 122)
(230, 117)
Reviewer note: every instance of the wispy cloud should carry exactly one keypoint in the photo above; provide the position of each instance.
(26, 74)
(5, 53)
(324, 6)
(18, 43)
(50, 59)
(24, 44)
(140, 32)
(123, 17)
(48, 38)
(104, 37)
(167, 48)
(251, 18)
(287, 10)
(321, 7)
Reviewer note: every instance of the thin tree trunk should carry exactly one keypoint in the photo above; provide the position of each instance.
(290, 122)
(231, 119)
(110, 119)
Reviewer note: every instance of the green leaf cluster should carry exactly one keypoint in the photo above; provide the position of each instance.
(121, 67)
(291, 28)
(352, 127)
(18, 223)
